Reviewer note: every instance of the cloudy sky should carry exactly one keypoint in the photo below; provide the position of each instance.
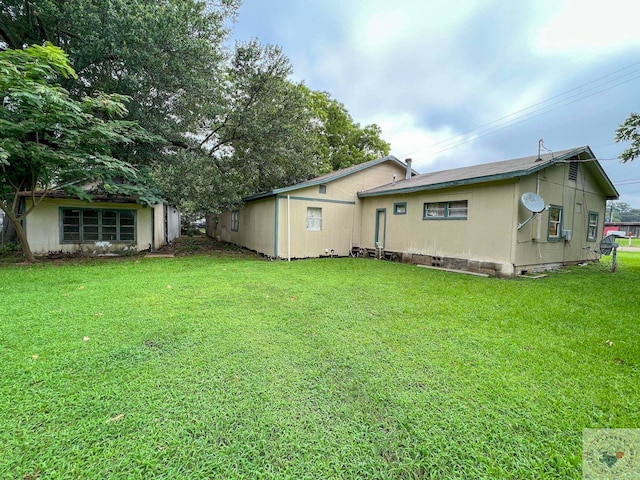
(461, 82)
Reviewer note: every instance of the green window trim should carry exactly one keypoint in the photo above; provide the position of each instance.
(400, 208)
(381, 213)
(90, 225)
(455, 210)
(554, 231)
(592, 227)
(235, 220)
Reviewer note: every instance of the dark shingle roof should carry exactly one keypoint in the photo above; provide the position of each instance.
(493, 171)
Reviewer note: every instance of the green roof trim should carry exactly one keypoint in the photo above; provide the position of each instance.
(317, 200)
(498, 171)
(328, 177)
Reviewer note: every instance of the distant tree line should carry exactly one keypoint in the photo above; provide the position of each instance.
(622, 212)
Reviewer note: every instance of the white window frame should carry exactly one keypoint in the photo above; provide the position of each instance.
(458, 209)
(455, 210)
(592, 227)
(555, 223)
(314, 219)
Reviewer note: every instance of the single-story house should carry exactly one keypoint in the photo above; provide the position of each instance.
(321, 216)
(62, 223)
(471, 218)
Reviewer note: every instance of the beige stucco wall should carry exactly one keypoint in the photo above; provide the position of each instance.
(577, 199)
(256, 226)
(337, 230)
(43, 224)
(490, 234)
(277, 225)
(341, 212)
(486, 235)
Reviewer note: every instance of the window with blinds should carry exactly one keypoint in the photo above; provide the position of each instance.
(314, 219)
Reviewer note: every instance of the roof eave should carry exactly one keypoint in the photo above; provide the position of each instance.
(322, 181)
(541, 165)
(454, 183)
(95, 197)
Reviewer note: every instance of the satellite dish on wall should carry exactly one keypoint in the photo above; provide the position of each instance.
(532, 202)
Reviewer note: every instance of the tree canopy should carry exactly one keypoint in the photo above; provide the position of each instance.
(234, 122)
(341, 141)
(50, 140)
(165, 55)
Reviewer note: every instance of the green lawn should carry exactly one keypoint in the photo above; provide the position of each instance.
(624, 242)
(234, 367)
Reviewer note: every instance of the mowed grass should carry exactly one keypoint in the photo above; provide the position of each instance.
(235, 367)
(624, 242)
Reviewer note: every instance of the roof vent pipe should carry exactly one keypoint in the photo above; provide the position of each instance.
(408, 162)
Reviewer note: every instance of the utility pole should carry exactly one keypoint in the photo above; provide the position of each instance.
(611, 212)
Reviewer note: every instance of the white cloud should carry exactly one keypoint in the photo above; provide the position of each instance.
(590, 27)
(427, 148)
(426, 71)
(379, 27)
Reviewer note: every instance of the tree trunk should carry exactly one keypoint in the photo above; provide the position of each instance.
(22, 236)
(8, 233)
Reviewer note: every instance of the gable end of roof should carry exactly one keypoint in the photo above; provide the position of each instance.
(328, 177)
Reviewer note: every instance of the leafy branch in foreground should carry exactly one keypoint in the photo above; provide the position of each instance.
(629, 131)
(50, 140)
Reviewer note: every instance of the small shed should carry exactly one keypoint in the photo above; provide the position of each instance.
(108, 224)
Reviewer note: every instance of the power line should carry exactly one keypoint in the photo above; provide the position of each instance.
(613, 80)
(627, 182)
(518, 112)
(529, 116)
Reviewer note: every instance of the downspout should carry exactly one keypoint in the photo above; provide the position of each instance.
(275, 235)
(539, 219)
(289, 227)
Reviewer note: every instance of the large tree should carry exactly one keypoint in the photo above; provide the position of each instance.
(342, 141)
(166, 55)
(50, 140)
(234, 121)
(258, 135)
(265, 132)
(262, 126)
